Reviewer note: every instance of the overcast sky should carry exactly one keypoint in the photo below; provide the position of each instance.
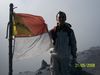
(83, 15)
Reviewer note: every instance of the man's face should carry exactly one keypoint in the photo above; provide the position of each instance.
(60, 19)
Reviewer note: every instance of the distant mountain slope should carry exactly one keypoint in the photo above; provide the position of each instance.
(91, 56)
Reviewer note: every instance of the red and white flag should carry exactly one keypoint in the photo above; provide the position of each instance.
(31, 36)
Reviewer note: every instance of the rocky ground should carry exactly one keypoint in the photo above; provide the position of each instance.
(88, 59)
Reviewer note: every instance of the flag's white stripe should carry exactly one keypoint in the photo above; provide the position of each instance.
(27, 47)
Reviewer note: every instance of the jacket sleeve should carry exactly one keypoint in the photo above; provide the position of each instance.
(52, 34)
(73, 44)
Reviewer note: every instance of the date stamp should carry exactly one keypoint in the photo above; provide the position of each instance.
(87, 65)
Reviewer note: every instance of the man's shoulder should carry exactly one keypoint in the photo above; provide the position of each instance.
(68, 24)
(54, 29)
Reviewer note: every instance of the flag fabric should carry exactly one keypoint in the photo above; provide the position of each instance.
(31, 36)
(29, 25)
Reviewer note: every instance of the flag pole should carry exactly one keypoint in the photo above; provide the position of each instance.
(10, 39)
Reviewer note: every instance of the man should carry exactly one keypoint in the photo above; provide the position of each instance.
(64, 46)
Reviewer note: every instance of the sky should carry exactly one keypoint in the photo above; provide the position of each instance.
(83, 15)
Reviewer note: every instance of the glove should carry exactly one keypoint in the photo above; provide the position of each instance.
(73, 62)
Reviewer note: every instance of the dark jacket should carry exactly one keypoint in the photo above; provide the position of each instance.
(64, 40)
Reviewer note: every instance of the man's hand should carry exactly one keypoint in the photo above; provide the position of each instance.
(73, 62)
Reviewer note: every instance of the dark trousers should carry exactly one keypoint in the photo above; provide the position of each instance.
(59, 65)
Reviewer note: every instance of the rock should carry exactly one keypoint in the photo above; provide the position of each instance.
(43, 65)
